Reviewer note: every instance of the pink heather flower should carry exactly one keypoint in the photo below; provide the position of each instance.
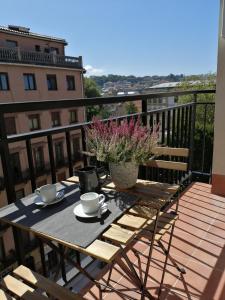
(115, 141)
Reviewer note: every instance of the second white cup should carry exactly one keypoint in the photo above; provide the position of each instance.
(47, 192)
(91, 202)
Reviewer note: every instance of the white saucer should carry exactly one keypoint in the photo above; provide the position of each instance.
(59, 197)
(78, 211)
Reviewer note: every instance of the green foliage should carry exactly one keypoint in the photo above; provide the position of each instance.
(201, 116)
(131, 108)
(104, 113)
(90, 88)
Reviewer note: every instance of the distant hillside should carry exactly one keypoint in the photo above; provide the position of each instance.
(150, 80)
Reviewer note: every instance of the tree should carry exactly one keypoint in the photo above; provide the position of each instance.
(104, 113)
(131, 108)
(90, 88)
(203, 82)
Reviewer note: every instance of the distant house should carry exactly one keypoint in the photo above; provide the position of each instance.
(162, 102)
(166, 87)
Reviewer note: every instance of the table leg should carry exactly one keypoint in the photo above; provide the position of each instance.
(19, 247)
(62, 262)
(42, 254)
(128, 268)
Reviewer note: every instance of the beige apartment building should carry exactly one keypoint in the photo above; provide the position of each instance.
(34, 67)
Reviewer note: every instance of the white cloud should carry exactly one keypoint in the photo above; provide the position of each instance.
(93, 71)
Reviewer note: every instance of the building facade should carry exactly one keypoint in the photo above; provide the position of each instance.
(34, 67)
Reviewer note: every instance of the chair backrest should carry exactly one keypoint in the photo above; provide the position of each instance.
(171, 164)
(168, 158)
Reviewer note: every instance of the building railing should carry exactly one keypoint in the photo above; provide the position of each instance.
(178, 126)
(16, 55)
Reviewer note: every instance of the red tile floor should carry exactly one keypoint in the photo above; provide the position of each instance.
(198, 245)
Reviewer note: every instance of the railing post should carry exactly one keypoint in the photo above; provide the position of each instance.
(31, 165)
(69, 154)
(9, 185)
(84, 146)
(54, 58)
(6, 165)
(19, 54)
(51, 158)
(192, 139)
(144, 110)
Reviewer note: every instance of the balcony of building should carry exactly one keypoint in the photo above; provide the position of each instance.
(198, 242)
(18, 56)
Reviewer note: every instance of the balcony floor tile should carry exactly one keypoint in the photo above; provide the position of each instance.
(198, 246)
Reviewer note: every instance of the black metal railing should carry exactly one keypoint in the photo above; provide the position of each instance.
(178, 128)
(16, 55)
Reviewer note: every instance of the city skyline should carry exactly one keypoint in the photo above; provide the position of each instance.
(119, 38)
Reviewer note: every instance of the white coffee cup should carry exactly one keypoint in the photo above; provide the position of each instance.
(47, 192)
(91, 202)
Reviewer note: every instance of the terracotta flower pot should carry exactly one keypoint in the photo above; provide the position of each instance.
(124, 175)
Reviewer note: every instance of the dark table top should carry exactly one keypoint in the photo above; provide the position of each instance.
(58, 222)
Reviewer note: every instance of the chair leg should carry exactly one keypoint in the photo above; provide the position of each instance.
(177, 204)
(149, 256)
(168, 256)
(179, 269)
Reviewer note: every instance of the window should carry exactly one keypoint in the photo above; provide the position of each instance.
(4, 82)
(73, 116)
(20, 194)
(15, 164)
(55, 118)
(29, 82)
(70, 83)
(59, 155)
(46, 50)
(76, 147)
(54, 50)
(39, 158)
(37, 48)
(52, 83)
(11, 43)
(10, 124)
(34, 122)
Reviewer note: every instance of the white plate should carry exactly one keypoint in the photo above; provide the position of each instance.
(78, 211)
(59, 197)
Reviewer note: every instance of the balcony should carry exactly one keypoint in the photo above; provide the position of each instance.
(16, 55)
(198, 239)
(198, 246)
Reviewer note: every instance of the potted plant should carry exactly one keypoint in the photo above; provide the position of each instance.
(124, 146)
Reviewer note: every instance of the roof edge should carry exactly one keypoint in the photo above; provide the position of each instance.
(32, 35)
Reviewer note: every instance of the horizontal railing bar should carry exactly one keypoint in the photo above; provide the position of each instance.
(159, 110)
(205, 103)
(63, 129)
(65, 103)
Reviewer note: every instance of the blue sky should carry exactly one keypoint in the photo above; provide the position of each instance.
(139, 37)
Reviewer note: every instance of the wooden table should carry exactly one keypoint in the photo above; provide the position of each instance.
(114, 241)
